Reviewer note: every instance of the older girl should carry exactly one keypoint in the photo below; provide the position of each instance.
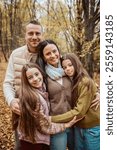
(87, 131)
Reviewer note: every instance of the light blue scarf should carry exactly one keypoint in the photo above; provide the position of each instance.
(53, 72)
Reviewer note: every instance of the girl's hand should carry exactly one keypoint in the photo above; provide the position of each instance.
(72, 122)
(96, 102)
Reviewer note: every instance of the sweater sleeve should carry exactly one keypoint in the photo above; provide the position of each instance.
(47, 127)
(82, 105)
(8, 89)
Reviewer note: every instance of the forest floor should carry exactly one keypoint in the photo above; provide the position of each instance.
(6, 133)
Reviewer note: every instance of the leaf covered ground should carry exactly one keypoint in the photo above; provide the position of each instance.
(6, 133)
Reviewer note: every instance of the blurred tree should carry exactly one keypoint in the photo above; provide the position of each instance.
(73, 24)
(13, 20)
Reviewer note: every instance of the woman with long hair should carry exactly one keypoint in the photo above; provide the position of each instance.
(59, 90)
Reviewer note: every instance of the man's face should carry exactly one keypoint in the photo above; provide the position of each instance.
(33, 36)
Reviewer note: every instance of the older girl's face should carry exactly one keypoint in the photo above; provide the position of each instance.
(34, 77)
(51, 55)
(68, 67)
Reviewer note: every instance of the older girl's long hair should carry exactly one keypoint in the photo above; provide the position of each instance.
(80, 73)
(29, 105)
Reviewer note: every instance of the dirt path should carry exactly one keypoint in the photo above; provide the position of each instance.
(6, 134)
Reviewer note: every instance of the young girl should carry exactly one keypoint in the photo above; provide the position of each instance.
(87, 131)
(34, 123)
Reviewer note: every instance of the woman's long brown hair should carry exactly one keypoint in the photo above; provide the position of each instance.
(29, 105)
(80, 73)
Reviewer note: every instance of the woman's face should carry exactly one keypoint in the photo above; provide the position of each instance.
(51, 55)
(34, 77)
(68, 67)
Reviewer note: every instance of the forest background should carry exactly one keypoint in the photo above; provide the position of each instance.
(73, 24)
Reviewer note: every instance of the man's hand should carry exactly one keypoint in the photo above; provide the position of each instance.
(15, 106)
(96, 102)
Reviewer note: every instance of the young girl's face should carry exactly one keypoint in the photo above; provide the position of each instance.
(68, 67)
(34, 77)
(51, 55)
